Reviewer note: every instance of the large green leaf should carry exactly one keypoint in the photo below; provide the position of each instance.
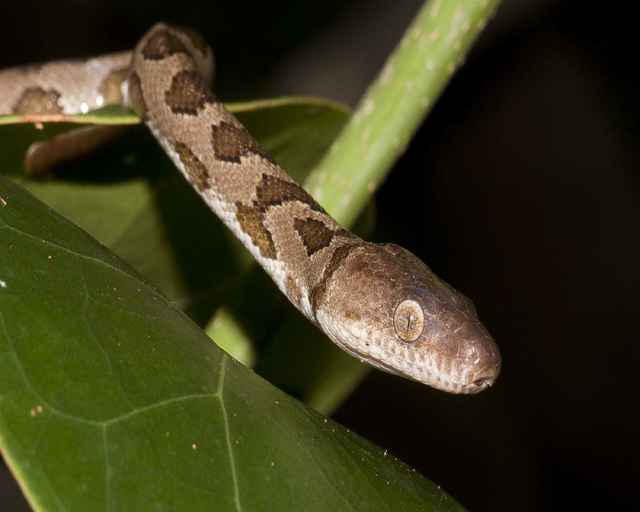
(111, 398)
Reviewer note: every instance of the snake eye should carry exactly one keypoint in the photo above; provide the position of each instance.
(408, 320)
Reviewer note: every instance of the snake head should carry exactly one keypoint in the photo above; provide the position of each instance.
(390, 310)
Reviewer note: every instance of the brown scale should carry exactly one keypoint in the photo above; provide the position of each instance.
(196, 170)
(314, 234)
(188, 93)
(273, 191)
(251, 221)
(230, 143)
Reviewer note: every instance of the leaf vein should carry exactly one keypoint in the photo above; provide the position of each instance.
(30, 387)
(92, 259)
(227, 432)
(157, 405)
(107, 472)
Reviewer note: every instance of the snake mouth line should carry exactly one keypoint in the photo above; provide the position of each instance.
(429, 377)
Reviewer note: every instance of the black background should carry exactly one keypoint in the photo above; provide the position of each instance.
(521, 189)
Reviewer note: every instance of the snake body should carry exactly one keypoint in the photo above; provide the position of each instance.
(378, 302)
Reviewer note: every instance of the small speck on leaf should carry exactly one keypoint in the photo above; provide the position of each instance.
(35, 411)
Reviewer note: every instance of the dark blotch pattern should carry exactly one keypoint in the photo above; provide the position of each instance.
(136, 98)
(337, 258)
(251, 221)
(36, 100)
(273, 191)
(231, 143)
(194, 168)
(188, 93)
(314, 234)
(163, 44)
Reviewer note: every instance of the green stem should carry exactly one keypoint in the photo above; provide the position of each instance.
(415, 74)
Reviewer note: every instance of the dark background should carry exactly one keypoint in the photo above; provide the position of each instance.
(521, 189)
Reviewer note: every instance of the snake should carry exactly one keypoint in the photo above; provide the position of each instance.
(376, 301)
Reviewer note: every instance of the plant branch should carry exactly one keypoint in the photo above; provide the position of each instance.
(394, 106)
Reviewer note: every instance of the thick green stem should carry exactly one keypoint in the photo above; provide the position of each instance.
(392, 109)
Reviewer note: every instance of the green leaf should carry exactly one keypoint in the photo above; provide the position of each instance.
(109, 115)
(111, 398)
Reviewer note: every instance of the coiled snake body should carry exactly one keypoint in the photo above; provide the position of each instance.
(376, 301)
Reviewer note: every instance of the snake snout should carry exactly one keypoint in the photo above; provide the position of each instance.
(487, 367)
(477, 357)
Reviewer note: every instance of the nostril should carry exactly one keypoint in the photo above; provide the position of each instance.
(482, 382)
(484, 379)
